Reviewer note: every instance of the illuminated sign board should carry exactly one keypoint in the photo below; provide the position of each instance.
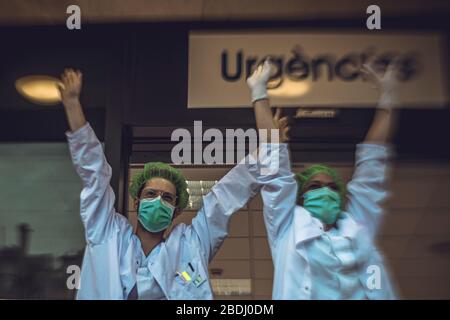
(314, 69)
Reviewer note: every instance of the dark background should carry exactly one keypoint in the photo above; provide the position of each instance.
(135, 75)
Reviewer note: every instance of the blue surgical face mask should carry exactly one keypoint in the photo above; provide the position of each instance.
(155, 215)
(323, 204)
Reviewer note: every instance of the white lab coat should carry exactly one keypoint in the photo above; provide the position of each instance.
(110, 261)
(291, 228)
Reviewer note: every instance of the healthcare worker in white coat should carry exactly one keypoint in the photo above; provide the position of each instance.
(322, 244)
(120, 263)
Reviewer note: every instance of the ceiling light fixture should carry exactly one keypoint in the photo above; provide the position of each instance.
(39, 89)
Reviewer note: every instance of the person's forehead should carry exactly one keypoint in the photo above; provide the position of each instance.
(160, 184)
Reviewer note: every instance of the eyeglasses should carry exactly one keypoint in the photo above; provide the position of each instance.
(318, 184)
(154, 193)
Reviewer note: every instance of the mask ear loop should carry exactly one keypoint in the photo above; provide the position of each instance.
(168, 231)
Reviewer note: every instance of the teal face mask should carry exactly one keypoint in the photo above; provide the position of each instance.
(323, 204)
(155, 215)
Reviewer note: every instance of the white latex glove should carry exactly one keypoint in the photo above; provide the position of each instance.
(386, 83)
(257, 82)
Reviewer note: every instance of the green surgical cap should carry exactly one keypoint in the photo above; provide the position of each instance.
(165, 171)
(306, 175)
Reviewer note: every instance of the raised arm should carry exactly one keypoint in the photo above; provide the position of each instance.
(385, 120)
(279, 189)
(97, 197)
(368, 188)
(257, 83)
(211, 224)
